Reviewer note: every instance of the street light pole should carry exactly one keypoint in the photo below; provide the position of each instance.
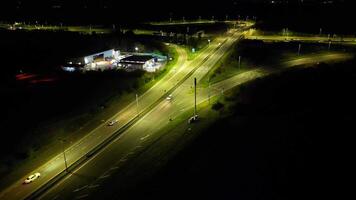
(64, 155)
(209, 91)
(240, 62)
(195, 96)
(138, 111)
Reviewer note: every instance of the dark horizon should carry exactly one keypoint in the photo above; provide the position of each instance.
(108, 12)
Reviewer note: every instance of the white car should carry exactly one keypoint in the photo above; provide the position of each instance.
(32, 177)
(193, 119)
(170, 97)
(111, 123)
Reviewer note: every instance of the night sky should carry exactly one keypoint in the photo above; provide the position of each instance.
(101, 11)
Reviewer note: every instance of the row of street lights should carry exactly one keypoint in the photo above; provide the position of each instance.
(63, 140)
(227, 17)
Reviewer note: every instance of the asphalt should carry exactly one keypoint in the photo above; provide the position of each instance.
(138, 136)
(320, 39)
(135, 139)
(76, 151)
(92, 177)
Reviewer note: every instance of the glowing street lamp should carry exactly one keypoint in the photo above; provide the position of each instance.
(136, 49)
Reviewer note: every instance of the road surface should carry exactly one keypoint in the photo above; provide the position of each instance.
(73, 153)
(320, 39)
(83, 182)
(138, 135)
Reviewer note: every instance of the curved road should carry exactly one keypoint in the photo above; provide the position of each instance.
(56, 165)
(137, 136)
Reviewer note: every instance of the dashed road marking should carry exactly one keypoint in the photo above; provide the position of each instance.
(143, 138)
(79, 189)
(104, 176)
(82, 196)
(113, 168)
(94, 186)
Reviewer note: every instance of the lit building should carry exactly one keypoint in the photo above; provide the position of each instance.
(102, 56)
(143, 62)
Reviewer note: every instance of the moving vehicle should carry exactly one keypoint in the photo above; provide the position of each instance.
(111, 123)
(32, 178)
(170, 97)
(193, 119)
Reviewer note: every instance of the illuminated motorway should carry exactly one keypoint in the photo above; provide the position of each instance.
(97, 168)
(136, 136)
(320, 39)
(86, 178)
(192, 22)
(261, 72)
(174, 78)
(84, 182)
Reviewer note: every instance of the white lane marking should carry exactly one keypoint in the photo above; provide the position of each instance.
(113, 168)
(79, 189)
(104, 176)
(93, 157)
(82, 196)
(143, 138)
(94, 186)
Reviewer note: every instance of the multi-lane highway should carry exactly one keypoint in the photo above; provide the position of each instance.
(145, 129)
(320, 39)
(56, 165)
(176, 79)
(91, 177)
(261, 71)
(156, 113)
